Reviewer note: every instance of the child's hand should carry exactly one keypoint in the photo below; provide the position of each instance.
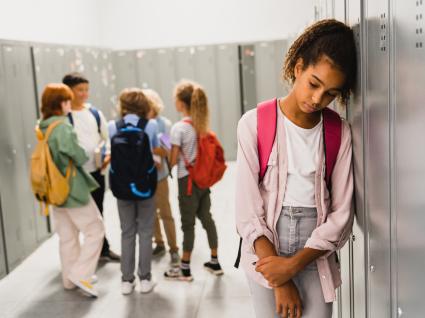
(276, 269)
(287, 299)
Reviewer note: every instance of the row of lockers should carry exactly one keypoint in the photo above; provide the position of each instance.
(235, 77)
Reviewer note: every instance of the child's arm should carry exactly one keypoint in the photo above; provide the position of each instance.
(249, 210)
(174, 155)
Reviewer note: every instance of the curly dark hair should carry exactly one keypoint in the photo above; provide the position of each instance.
(329, 38)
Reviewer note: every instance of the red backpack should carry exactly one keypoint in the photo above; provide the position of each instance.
(266, 133)
(209, 165)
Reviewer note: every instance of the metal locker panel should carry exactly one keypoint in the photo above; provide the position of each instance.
(28, 111)
(167, 82)
(206, 75)
(229, 97)
(92, 72)
(280, 48)
(377, 160)
(125, 70)
(147, 69)
(248, 80)
(3, 261)
(18, 222)
(184, 61)
(409, 155)
(356, 117)
(266, 74)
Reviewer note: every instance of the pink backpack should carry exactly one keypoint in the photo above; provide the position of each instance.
(266, 133)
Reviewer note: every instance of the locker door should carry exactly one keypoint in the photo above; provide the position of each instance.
(18, 215)
(107, 88)
(280, 49)
(229, 97)
(147, 70)
(266, 72)
(28, 111)
(3, 263)
(206, 75)
(125, 70)
(184, 60)
(248, 74)
(167, 82)
(409, 155)
(377, 159)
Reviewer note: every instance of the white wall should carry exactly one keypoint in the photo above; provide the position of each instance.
(54, 21)
(129, 24)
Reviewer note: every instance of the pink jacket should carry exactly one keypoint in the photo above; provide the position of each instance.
(258, 206)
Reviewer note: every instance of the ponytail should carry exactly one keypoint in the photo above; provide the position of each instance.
(199, 111)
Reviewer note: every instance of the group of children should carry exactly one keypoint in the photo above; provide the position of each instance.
(136, 146)
(293, 189)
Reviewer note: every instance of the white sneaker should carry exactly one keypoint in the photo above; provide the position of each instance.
(127, 287)
(85, 286)
(146, 286)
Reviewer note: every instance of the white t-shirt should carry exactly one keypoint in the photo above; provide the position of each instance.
(184, 135)
(303, 155)
(85, 127)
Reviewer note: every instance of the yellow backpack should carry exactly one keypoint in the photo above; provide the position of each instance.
(48, 184)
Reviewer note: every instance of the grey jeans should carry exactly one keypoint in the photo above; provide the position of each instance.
(294, 227)
(136, 217)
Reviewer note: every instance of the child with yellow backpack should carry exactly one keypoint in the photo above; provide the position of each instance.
(57, 178)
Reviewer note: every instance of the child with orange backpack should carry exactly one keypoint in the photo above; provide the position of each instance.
(200, 161)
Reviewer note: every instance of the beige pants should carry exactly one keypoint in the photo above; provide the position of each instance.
(163, 210)
(78, 261)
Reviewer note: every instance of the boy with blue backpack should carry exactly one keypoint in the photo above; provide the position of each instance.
(133, 181)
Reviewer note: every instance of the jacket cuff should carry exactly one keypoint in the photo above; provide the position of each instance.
(257, 229)
(321, 245)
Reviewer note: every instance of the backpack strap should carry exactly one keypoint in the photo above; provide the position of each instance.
(94, 112)
(266, 132)
(142, 123)
(332, 130)
(96, 115)
(119, 124)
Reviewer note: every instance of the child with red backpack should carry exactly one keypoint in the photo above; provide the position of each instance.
(294, 180)
(200, 161)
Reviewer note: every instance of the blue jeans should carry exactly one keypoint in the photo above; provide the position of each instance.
(294, 227)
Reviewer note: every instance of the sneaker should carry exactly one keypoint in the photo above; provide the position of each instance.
(85, 286)
(110, 257)
(127, 287)
(177, 274)
(158, 251)
(146, 285)
(175, 259)
(214, 268)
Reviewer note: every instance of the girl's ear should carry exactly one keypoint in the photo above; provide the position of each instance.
(298, 68)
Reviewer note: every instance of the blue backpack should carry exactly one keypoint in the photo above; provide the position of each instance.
(133, 175)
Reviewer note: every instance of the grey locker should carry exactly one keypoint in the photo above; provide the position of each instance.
(248, 77)
(106, 86)
(184, 60)
(147, 69)
(125, 70)
(409, 156)
(377, 158)
(356, 116)
(17, 206)
(229, 97)
(206, 75)
(167, 82)
(269, 57)
(3, 261)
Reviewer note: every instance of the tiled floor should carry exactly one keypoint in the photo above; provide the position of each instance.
(34, 289)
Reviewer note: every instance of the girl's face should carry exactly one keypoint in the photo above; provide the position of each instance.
(318, 85)
(81, 93)
(66, 107)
